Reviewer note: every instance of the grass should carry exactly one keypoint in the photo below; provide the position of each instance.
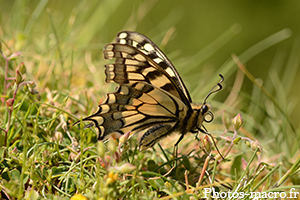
(56, 80)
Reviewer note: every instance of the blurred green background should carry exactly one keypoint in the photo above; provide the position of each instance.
(61, 44)
(70, 35)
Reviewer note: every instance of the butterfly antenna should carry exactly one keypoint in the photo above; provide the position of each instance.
(213, 90)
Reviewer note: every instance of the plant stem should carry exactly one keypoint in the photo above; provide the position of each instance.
(5, 77)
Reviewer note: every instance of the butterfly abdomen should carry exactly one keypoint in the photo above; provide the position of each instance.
(154, 134)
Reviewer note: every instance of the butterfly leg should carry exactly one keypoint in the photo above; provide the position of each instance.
(181, 137)
(175, 150)
(175, 154)
(207, 133)
(196, 132)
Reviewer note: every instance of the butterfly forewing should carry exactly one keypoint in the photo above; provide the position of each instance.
(132, 65)
(149, 48)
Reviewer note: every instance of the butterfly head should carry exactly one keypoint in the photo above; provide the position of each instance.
(203, 114)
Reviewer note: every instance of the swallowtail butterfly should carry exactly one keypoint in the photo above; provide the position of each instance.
(151, 96)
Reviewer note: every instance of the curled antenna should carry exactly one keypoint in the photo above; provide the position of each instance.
(213, 90)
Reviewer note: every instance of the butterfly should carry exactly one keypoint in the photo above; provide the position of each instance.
(150, 97)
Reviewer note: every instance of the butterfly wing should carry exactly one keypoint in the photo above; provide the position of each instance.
(151, 95)
(158, 58)
(131, 66)
(136, 107)
(150, 49)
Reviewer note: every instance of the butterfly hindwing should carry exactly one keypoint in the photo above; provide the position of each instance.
(137, 107)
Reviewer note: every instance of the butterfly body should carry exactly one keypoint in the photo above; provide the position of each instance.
(150, 98)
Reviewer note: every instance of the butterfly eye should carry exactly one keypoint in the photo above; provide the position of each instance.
(208, 117)
(204, 109)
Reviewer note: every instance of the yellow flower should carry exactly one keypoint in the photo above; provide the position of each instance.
(78, 197)
(112, 177)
